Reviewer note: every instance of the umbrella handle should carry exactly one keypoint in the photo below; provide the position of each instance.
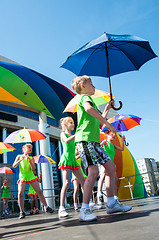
(112, 105)
(111, 96)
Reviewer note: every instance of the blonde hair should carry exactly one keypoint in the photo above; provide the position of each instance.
(64, 122)
(25, 146)
(76, 83)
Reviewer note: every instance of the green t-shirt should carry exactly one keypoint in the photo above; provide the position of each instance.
(110, 150)
(88, 126)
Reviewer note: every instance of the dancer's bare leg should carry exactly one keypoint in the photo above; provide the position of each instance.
(21, 189)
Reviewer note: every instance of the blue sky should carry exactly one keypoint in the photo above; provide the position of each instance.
(42, 34)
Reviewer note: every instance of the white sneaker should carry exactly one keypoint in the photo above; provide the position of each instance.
(76, 208)
(96, 207)
(62, 213)
(118, 207)
(91, 204)
(124, 206)
(86, 215)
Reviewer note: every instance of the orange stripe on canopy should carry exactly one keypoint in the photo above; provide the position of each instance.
(6, 96)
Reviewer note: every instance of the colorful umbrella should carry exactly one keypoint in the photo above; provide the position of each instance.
(43, 159)
(127, 171)
(34, 89)
(109, 55)
(123, 122)
(100, 97)
(25, 135)
(6, 170)
(5, 147)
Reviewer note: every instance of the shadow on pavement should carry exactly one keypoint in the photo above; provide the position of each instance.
(33, 222)
(110, 218)
(16, 233)
(37, 226)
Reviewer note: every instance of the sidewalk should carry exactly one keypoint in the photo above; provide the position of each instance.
(141, 223)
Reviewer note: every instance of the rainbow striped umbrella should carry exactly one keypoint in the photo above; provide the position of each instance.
(100, 97)
(123, 122)
(5, 147)
(43, 159)
(25, 135)
(28, 87)
(6, 170)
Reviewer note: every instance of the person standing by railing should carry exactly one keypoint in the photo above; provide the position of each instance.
(5, 196)
(33, 197)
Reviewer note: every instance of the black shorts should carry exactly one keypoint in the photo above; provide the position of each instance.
(92, 153)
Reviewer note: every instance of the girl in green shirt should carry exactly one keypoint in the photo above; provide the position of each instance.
(33, 196)
(68, 161)
(5, 196)
(109, 147)
(26, 175)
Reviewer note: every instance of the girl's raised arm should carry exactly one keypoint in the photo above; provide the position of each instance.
(104, 142)
(17, 161)
(121, 148)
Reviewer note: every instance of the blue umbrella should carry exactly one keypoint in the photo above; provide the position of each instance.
(109, 55)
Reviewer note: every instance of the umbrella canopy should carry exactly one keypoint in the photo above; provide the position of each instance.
(126, 166)
(6, 170)
(5, 147)
(34, 89)
(109, 55)
(43, 159)
(123, 122)
(100, 97)
(25, 135)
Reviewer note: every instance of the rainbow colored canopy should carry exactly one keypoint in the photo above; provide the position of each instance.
(5, 147)
(43, 159)
(25, 135)
(6, 170)
(26, 86)
(126, 166)
(123, 122)
(99, 97)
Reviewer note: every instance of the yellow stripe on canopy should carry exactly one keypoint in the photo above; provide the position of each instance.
(128, 170)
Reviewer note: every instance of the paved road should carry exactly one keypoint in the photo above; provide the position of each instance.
(141, 223)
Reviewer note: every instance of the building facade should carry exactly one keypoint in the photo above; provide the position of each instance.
(149, 172)
(13, 118)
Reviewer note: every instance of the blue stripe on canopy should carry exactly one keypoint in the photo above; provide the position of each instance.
(54, 95)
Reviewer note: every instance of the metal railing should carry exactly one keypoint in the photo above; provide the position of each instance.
(56, 197)
(130, 186)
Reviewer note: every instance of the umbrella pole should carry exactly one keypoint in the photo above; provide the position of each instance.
(111, 96)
